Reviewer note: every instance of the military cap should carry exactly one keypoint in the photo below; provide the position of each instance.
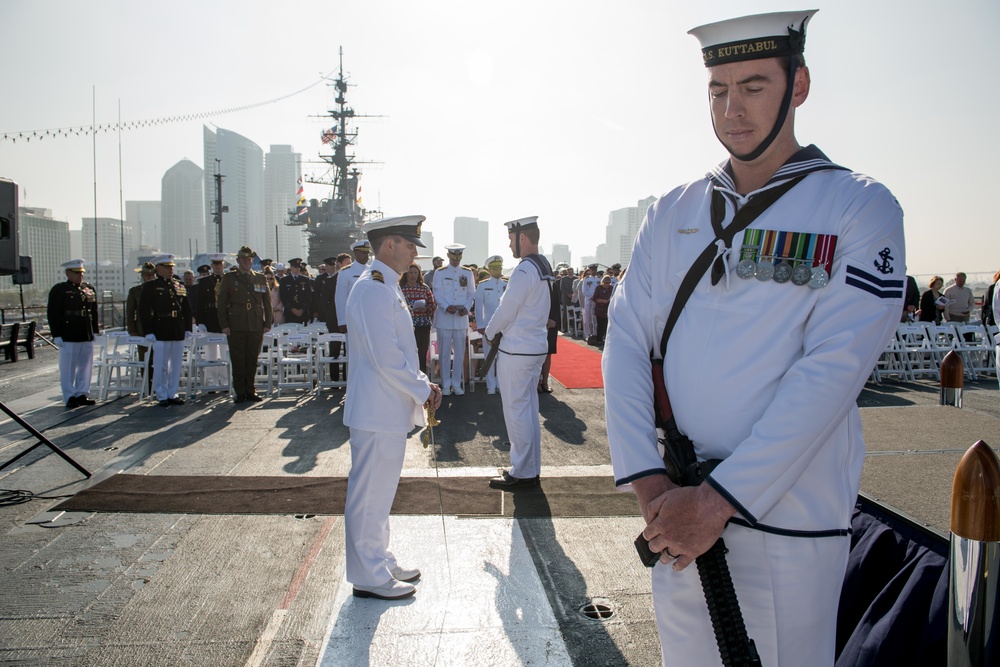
(74, 265)
(146, 269)
(330, 261)
(773, 35)
(455, 248)
(295, 263)
(204, 268)
(522, 223)
(407, 226)
(365, 244)
(217, 257)
(166, 259)
(280, 266)
(245, 251)
(494, 260)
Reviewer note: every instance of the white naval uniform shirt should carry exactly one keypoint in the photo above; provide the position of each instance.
(589, 284)
(345, 281)
(449, 290)
(387, 389)
(488, 294)
(523, 313)
(761, 374)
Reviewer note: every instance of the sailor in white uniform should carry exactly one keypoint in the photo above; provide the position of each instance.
(587, 287)
(385, 400)
(522, 317)
(765, 362)
(488, 293)
(349, 275)
(454, 291)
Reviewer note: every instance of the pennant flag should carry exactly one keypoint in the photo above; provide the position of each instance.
(303, 211)
(301, 201)
(359, 193)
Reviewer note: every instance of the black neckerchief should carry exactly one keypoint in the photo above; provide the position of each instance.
(542, 264)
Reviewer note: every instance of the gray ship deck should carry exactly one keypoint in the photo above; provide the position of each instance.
(499, 588)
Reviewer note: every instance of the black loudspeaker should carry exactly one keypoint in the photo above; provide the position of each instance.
(10, 262)
(24, 275)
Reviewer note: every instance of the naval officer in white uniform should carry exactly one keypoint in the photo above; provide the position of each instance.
(765, 361)
(522, 317)
(488, 293)
(385, 400)
(349, 275)
(587, 288)
(454, 291)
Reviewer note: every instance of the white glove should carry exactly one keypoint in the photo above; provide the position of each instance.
(151, 338)
(57, 340)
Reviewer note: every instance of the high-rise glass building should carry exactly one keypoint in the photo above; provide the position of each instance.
(241, 163)
(182, 210)
(282, 170)
(107, 265)
(144, 219)
(475, 235)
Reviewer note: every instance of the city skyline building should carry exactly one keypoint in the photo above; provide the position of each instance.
(241, 163)
(46, 241)
(623, 226)
(282, 170)
(107, 259)
(182, 210)
(427, 238)
(561, 253)
(474, 234)
(144, 219)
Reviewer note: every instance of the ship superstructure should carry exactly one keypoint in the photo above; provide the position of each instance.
(333, 224)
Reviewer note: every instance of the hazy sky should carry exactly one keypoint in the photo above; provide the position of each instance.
(565, 110)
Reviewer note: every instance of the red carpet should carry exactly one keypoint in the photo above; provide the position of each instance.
(577, 365)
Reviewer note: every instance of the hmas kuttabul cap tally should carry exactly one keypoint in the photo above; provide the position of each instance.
(407, 226)
(753, 37)
(522, 223)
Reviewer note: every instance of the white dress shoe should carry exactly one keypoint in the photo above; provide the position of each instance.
(405, 574)
(394, 590)
(491, 390)
(446, 391)
(459, 391)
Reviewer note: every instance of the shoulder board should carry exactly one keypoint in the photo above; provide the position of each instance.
(377, 277)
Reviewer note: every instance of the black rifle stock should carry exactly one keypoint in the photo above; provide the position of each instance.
(492, 356)
(684, 469)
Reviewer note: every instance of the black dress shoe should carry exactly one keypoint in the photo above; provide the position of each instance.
(254, 398)
(164, 403)
(85, 400)
(505, 481)
(239, 398)
(73, 402)
(175, 401)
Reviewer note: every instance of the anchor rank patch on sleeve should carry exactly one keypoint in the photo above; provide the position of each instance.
(880, 273)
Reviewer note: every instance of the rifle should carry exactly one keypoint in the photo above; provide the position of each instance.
(684, 469)
(492, 356)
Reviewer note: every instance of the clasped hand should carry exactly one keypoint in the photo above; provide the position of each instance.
(686, 520)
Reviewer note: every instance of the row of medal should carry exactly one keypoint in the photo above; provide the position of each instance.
(797, 257)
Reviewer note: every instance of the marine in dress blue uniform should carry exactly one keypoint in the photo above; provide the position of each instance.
(454, 291)
(765, 362)
(522, 317)
(384, 401)
(166, 317)
(296, 291)
(72, 315)
(488, 293)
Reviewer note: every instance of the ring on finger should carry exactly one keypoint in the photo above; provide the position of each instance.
(670, 555)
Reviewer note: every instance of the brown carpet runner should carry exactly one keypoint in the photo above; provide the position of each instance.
(464, 496)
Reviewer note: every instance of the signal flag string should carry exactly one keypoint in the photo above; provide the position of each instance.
(85, 130)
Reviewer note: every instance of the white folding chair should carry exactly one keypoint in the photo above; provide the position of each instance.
(993, 337)
(475, 354)
(945, 338)
(975, 345)
(294, 362)
(266, 368)
(210, 367)
(919, 357)
(891, 362)
(326, 361)
(124, 372)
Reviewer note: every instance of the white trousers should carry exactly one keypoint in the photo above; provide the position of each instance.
(76, 365)
(589, 320)
(168, 355)
(491, 376)
(448, 340)
(518, 378)
(788, 589)
(376, 463)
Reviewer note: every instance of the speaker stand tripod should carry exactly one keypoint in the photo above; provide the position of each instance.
(42, 440)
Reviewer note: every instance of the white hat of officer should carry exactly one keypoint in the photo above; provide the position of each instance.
(753, 37)
(74, 265)
(407, 226)
(164, 259)
(363, 244)
(280, 266)
(455, 248)
(522, 223)
(495, 259)
(217, 257)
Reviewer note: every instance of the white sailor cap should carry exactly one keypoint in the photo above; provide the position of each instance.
(364, 244)
(164, 259)
(494, 260)
(74, 265)
(522, 223)
(407, 226)
(280, 266)
(217, 257)
(753, 37)
(455, 248)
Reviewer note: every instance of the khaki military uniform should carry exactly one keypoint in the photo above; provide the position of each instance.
(244, 307)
